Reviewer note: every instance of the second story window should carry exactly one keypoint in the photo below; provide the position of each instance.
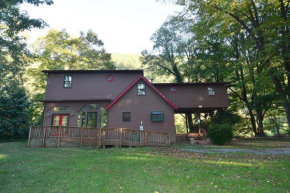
(67, 81)
(210, 91)
(141, 89)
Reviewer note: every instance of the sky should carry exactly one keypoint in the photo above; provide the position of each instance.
(125, 26)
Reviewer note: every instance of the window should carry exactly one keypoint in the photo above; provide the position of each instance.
(60, 108)
(67, 81)
(110, 78)
(173, 89)
(141, 89)
(103, 118)
(81, 118)
(157, 116)
(126, 116)
(60, 120)
(210, 91)
(93, 106)
(92, 120)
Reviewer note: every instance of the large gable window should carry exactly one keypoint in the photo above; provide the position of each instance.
(126, 117)
(67, 81)
(157, 116)
(141, 89)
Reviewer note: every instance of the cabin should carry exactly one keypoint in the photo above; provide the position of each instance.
(124, 99)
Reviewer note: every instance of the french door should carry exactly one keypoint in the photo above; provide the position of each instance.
(60, 120)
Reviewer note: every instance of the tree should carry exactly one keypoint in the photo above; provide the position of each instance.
(13, 59)
(58, 50)
(266, 28)
(14, 112)
(12, 46)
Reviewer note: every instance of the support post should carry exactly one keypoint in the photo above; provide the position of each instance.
(29, 137)
(44, 137)
(199, 121)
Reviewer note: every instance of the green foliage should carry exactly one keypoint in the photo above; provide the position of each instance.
(226, 117)
(13, 49)
(14, 112)
(220, 134)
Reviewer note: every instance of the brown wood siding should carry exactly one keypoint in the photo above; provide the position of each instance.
(140, 108)
(75, 107)
(91, 86)
(191, 96)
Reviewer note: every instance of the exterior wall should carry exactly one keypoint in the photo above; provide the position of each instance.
(193, 95)
(75, 107)
(140, 108)
(88, 86)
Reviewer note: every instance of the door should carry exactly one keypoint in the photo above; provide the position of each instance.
(60, 120)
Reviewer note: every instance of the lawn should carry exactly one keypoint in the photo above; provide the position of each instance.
(25, 169)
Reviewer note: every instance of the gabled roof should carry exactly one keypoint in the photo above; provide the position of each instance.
(195, 83)
(91, 71)
(133, 83)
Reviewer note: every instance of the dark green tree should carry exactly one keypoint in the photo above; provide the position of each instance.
(14, 112)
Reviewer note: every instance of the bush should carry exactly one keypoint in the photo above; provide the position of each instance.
(220, 134)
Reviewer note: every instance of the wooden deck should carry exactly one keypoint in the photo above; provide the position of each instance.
(52, 136)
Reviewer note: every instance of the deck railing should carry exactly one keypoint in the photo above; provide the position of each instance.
(59, 136)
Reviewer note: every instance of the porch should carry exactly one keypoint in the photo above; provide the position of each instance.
(196, 123)
(60, 136)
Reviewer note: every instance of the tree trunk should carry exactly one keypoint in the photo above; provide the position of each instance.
(186, 124)
(253, 122)
(275, 121)
(260, 119)
(189, 120)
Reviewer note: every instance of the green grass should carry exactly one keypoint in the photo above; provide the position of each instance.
(25, 169)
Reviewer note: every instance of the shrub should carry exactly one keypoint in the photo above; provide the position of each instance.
(220, 134)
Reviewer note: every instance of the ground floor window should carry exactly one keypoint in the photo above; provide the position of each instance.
(157, 116)
(126, 117)
(60, 120)
(92, 119)
(81, 118)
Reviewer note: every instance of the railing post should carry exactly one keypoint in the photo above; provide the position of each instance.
(121, 132)
(82, 131)
(145, 138)
(59, 133)
(29, 137)
(99, 138)
(44, 136)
